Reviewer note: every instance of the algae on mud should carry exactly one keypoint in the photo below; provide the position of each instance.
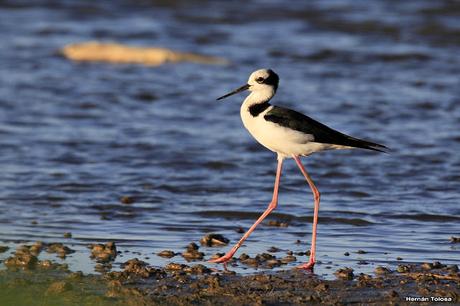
(179, 284)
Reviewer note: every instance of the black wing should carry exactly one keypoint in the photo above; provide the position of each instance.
(321, 133)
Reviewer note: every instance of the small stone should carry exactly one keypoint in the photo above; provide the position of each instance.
(273, 249)
(192, 255)
(455, 239)
(438, 265)
(3, 248)
(26, 261)
(212, 240)
(399, 258)
(344, 273)
(273, 263)
(60, 249)
(361, 252)
(166, 254)
(137, 267)
(174, 267)
(251, 262)
(244, 256)
(103, 252)
(217, 255)
(67, 235)
(192, 246)
(127, 200)
(277, 223)
(346, 254)
(288, 259)
(45, 264)
(381, 270)
(403, 269)
(427, 266)
(200, 269)
(264, 257)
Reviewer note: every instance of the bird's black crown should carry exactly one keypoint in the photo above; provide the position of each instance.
(272, 79)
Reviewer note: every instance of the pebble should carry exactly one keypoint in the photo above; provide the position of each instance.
(288, 258)
(192, 255)
(273, 249)
(455, 239)
(382, 270)
(166, 254)
(67, 235)
(217, 255)
(3, 248)
(403, 269)
(277, 223)
(103, 252)
(137, 267)
(212, 240)
(60, 249)
(244, 256)
(344, 273)
(346, 254)
(192, 246)
(174, 267)
(127, 200)
(26, 261)
(361, 252)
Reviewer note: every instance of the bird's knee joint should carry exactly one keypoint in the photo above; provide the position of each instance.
(317, 196)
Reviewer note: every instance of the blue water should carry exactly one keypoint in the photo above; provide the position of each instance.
(76, 137)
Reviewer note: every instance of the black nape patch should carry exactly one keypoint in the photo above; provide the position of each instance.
(272, 79)
(256, 109)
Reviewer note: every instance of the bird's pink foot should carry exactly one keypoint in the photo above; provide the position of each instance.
(223, 259)
(307, 266)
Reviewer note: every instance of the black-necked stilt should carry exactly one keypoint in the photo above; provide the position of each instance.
(289, 134)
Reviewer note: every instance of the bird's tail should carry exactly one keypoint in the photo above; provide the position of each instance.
(368, 145)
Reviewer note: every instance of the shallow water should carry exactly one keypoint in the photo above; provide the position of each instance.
(74, 137)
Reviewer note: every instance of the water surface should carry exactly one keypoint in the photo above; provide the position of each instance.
(75, 137)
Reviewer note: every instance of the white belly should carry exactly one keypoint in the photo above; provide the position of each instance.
(284, 141)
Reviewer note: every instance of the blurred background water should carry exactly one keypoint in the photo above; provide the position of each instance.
(75, 137)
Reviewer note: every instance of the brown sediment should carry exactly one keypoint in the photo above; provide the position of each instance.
(103, 253)
(28, 279)
(179, 284)
(166, 254)
(122, 54)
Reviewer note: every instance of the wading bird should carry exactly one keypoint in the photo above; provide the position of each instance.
(289, 134)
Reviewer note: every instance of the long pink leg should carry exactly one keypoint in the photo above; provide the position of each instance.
(316, 195)
(269, 209)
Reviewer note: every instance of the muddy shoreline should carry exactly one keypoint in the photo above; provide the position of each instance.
(27, 279)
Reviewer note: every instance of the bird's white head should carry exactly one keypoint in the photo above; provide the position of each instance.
(262, 82)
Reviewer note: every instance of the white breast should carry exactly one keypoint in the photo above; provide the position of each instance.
(284, 141)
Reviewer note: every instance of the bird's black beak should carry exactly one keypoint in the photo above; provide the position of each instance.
(244, 87)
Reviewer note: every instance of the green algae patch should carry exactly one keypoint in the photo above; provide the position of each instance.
(44, 287)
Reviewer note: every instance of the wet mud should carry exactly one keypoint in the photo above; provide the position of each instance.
(28, 279)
